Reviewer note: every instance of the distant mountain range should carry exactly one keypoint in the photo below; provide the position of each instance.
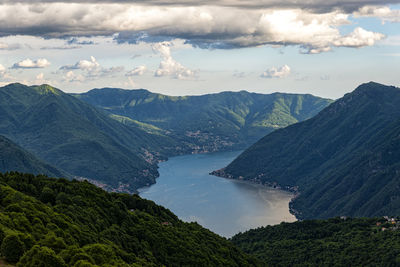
(212, 122)
(344, 161)
(117, 138)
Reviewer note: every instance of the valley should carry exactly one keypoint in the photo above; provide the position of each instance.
(224, 206)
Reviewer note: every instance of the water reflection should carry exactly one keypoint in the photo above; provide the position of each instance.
(221, 205)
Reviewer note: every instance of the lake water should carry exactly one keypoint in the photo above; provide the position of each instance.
(224, 206)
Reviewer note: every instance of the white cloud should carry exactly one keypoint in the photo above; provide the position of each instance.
(87, 65)
(138, 71)
(169, 66)
(275, 72)
(31, 64)
(382, 12)
(90, 69)
(70, 76)
(220, 25)
(359, 38)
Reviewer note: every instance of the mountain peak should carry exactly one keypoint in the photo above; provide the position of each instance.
(46, 89)
(374, 87)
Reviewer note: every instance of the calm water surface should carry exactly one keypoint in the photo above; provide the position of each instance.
(221, 205)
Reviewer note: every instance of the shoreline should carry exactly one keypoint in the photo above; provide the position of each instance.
(256, 181)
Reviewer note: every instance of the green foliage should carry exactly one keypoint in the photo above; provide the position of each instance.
(344, 161)
(14, 157)
(208, 122)
(333, 242)
(39, 256)
(86, 226)
(75, 137)
(12, 248)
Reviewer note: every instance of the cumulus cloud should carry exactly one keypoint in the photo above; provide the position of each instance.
(87, 65)
(70, 76)
(89, 69)
(220, 24)
(382, 12)
(169, 66)
(31, 64)
(275, 72)
(138, 71)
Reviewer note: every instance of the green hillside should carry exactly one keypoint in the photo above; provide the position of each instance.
(344, 161)
(15, 158)
(333, 242)
(76, 137)
(56, 222)
(209, 122)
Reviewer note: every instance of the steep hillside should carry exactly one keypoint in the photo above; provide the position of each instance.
(344, 161)
(209, 122)
(15, 158)
(55, 222)
(78, 138)
(333, 242)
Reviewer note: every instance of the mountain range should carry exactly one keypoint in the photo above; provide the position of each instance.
(78, 138)
(343, 161)
(213, 122)
(119, 148)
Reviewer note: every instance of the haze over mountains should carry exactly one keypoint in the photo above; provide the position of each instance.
(119, 142)
(344, 161)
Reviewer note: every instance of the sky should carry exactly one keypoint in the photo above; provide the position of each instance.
(187, 47)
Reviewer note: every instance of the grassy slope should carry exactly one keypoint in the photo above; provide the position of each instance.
(344, 160)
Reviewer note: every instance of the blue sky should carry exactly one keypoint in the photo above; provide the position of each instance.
(183, 48)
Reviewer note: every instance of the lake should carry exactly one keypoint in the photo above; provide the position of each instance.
(224, 206)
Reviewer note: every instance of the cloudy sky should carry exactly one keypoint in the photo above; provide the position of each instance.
(184, 47)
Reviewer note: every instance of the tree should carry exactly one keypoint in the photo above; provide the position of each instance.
(41, 256)
(12, 248)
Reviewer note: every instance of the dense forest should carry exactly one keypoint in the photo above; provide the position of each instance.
(212, 122)
(120, 148)
(56, 222)
(343, 161)
(334, 242)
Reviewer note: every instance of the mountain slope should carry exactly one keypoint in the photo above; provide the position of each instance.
(333, 242)
(344, 161)
(56, 222)
(78, 138)
(14, 158)
(209, 122)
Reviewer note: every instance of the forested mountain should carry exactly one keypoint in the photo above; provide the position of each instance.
(333, 242)
(344, 161)
(76, 137)
(56, 222)
(209, 122)
(15, 158)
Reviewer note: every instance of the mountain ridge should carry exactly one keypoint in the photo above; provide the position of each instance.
(343, 161)
(211, 122)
